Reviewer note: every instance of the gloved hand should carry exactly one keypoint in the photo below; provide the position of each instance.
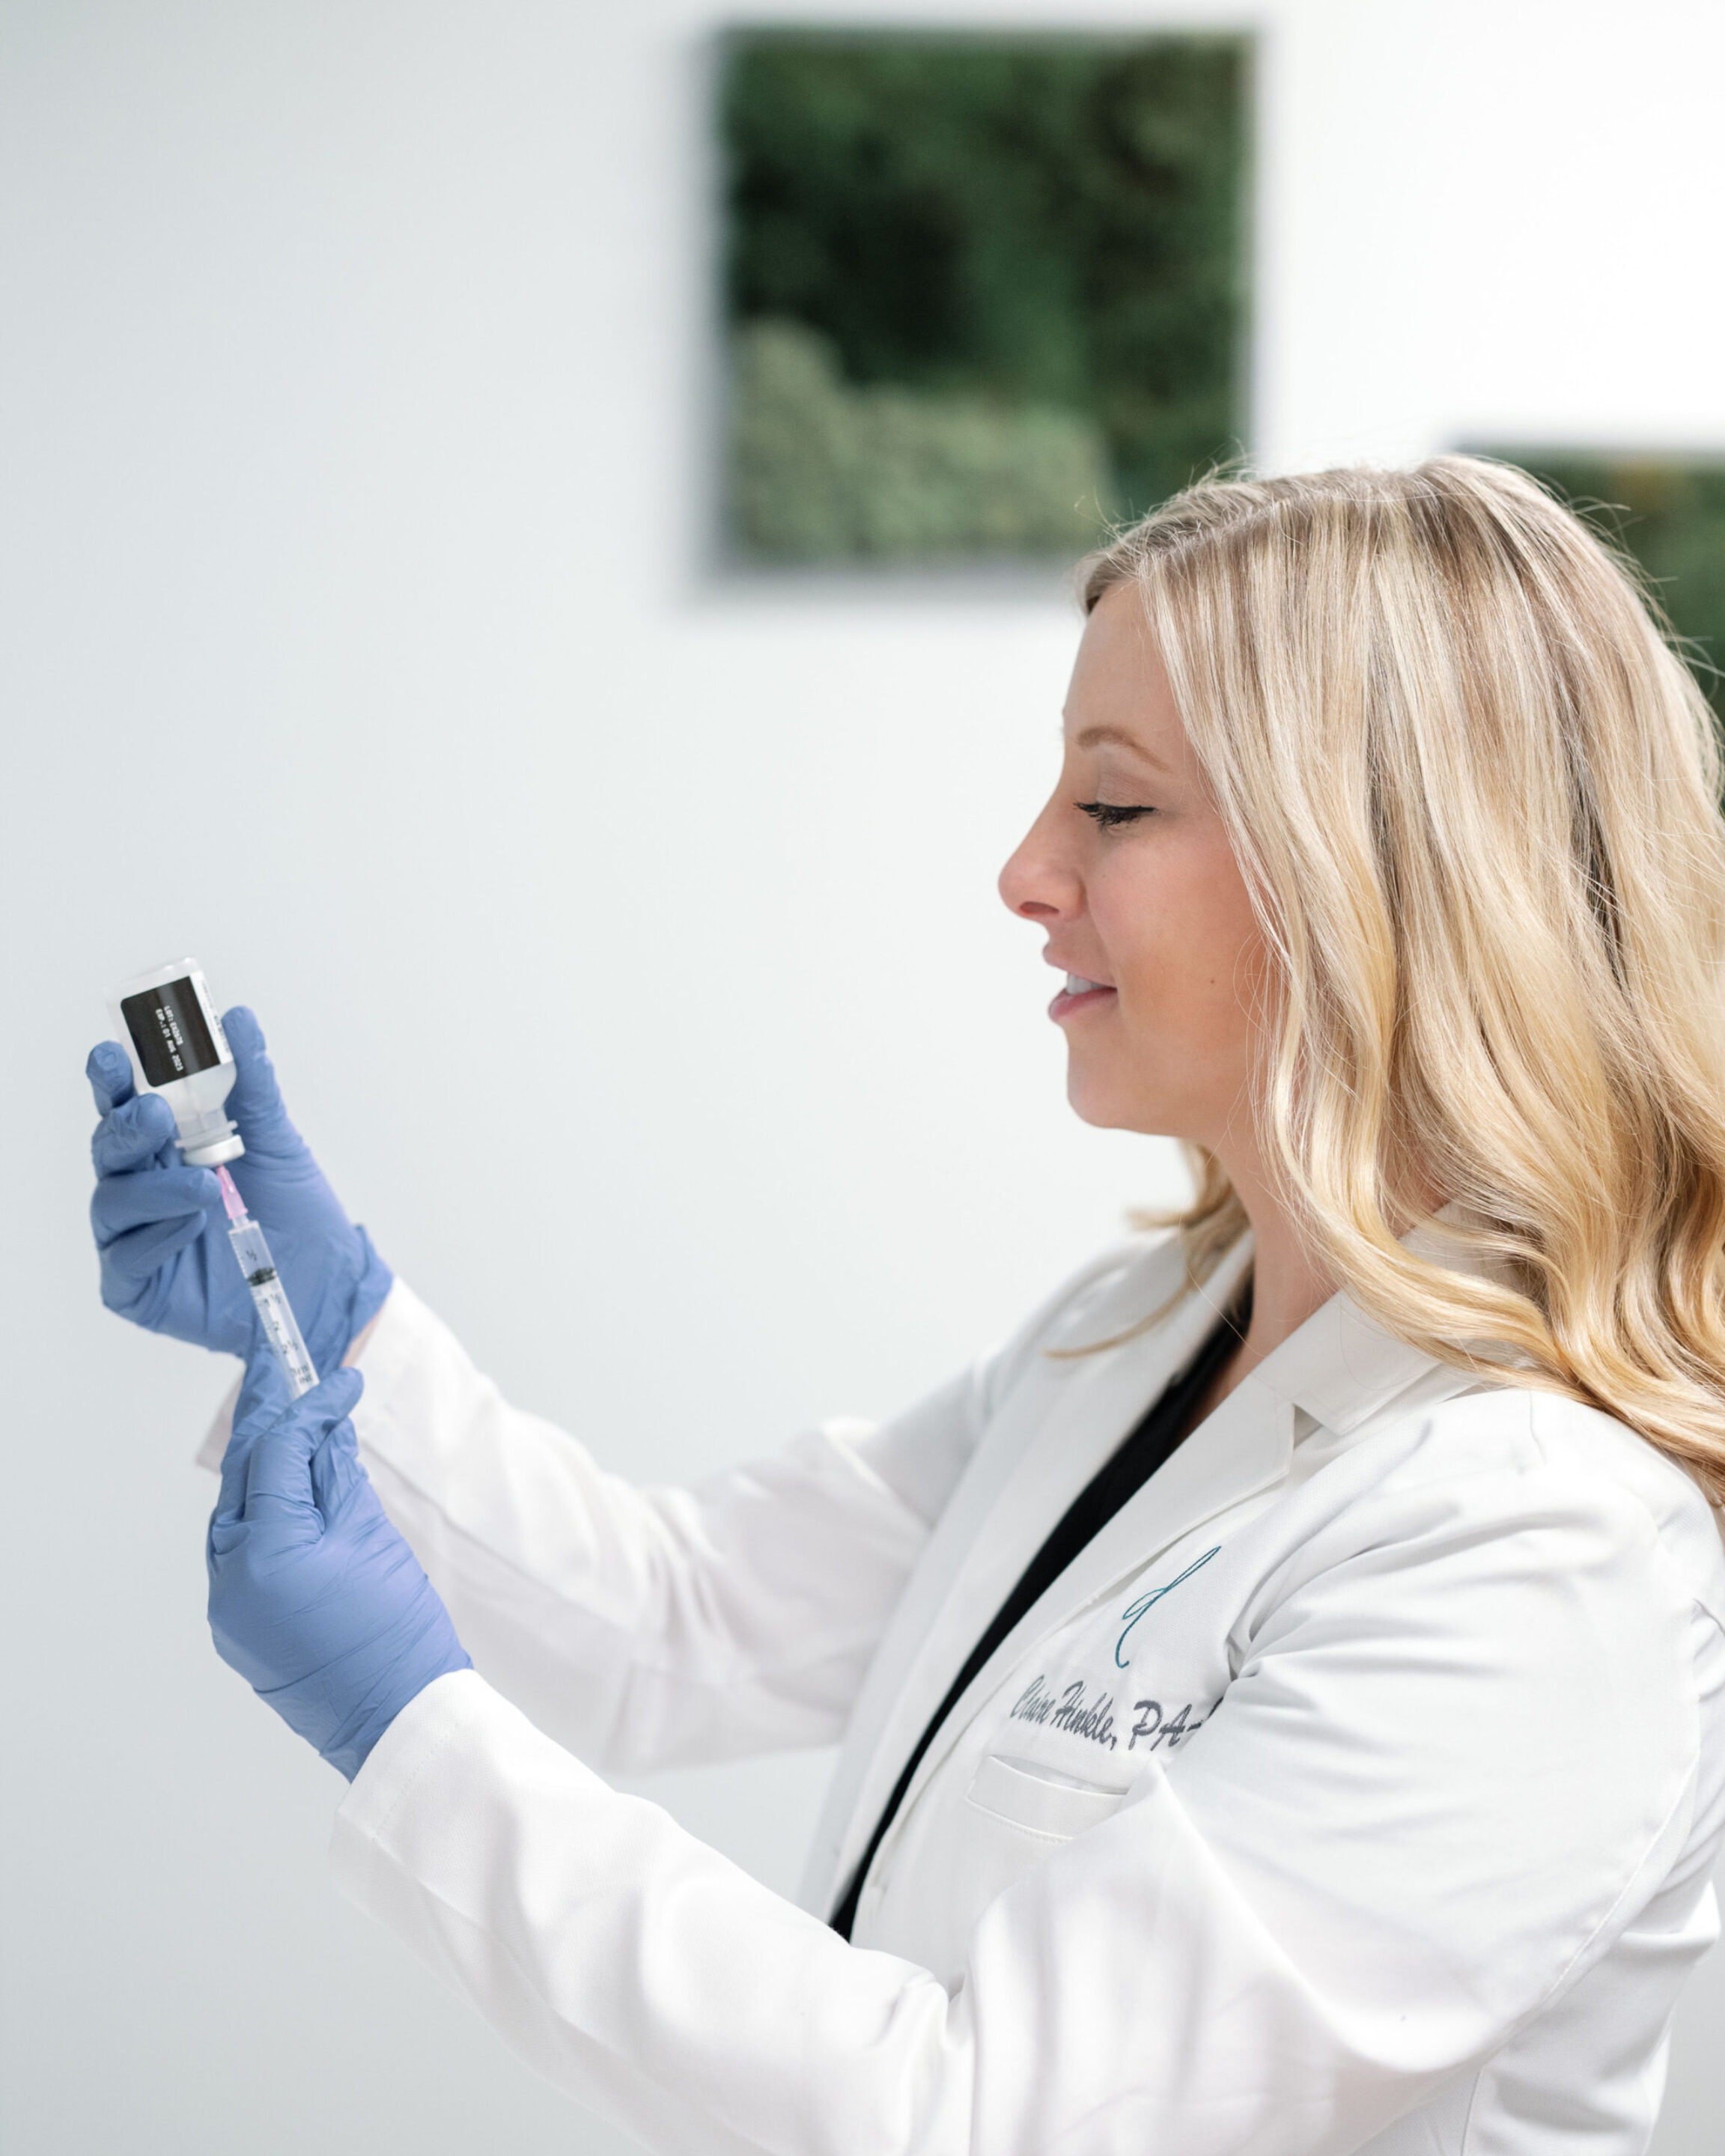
(160, 1232)
(313, 1597)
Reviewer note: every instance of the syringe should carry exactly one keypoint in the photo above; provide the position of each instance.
(280, 1328)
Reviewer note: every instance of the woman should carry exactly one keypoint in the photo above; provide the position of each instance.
(1282, 1692)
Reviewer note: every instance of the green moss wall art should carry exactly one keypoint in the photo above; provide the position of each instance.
(984, 294)
(1668, 512)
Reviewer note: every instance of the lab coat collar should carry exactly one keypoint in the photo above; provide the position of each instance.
(1341, 1367)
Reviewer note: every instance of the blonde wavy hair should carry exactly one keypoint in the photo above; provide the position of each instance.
(1474, 790)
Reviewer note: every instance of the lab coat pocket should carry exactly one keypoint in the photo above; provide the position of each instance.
(959, 1853)
(1034, 1803)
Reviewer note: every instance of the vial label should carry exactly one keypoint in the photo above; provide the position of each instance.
(170, 1031)
(200, 988)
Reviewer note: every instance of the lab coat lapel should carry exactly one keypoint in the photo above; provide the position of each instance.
(1341, 1369)
(1062, 1421)
(1241, 1451)
(1244, 1448)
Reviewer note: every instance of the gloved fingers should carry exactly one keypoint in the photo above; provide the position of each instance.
(263, 1396)
(255, 1102)
(108, 1068)
(264, 1391)
(230, 1498)
(278, 1483)
(280, 1511)
(263, 1401)
(132, 1261)
(122, 1203)
(133, 1135)
(337, 1475)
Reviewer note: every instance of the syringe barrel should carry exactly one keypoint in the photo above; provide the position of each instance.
(274, 1312)
(250, 1248)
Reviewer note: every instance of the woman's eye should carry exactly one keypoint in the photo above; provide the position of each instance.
(1110, 813)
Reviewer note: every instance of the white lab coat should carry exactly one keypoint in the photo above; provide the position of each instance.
(1358, 1787)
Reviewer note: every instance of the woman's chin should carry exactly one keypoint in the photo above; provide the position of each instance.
(1109, 1101)
(1093, 1101)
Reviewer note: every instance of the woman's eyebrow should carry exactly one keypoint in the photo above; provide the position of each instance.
(1113, 737)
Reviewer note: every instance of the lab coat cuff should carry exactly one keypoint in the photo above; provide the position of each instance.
(434, 1722)
(389, 1346)
(431, 1774)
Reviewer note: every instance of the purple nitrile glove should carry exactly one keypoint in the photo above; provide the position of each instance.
(159, 1226)
(314, 1596)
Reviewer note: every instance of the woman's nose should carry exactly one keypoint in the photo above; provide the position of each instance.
(1036, 881)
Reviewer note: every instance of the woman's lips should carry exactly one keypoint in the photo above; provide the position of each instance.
(1078, 995)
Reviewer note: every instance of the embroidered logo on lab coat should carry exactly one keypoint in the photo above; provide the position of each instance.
(1146, 1603)
(1077, 1712)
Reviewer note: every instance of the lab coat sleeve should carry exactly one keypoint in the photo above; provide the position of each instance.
(650, 1628)
(647, 1627)
(1459, 1755)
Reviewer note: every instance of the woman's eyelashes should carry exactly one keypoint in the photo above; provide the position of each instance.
(1110, 814)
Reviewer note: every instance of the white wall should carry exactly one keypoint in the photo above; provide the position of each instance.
(352, 475)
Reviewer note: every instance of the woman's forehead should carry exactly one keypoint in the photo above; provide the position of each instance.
(1139, 743)
(1120, 698)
